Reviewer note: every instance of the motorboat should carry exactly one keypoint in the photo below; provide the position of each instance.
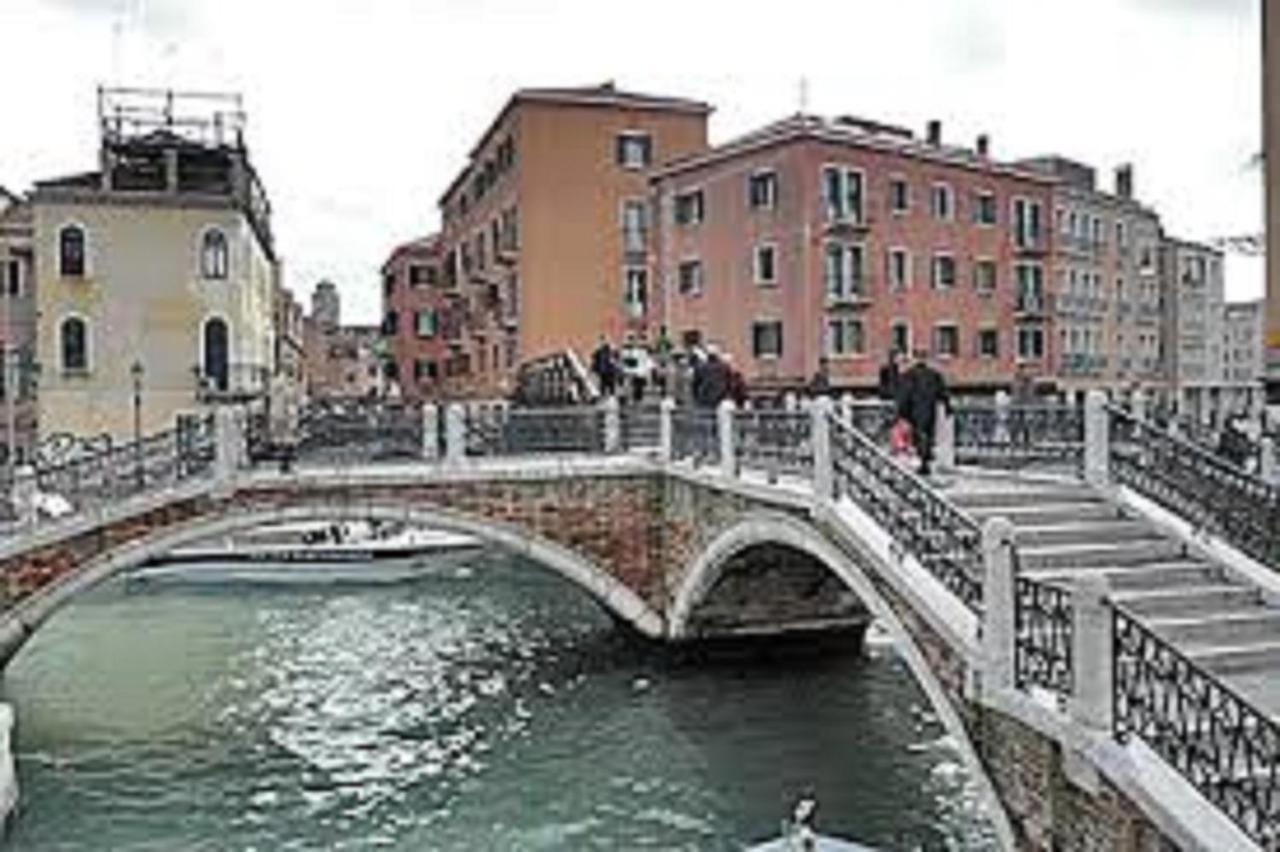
(310, 552)
(799, 835)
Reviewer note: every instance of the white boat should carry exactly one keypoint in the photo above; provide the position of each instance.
(798, 834)
(315, 552)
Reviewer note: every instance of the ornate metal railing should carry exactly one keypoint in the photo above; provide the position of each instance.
(1042, 638)
(945, 540)
(873, 418)
(775, 441)
(351, 431)
(641, 426)
(509, 430)
(108, 473)
(1215, 496)
(695, 435)
(1229, 751)
(1017, 435)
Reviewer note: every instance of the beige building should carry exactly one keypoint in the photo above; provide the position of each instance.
(17, 329)
(1195, 296)
(156, 273)
(1243, 356)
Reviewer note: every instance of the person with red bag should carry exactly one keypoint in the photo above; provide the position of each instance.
(922, 390)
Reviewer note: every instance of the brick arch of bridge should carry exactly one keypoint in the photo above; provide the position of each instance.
(20, 622)
(775, 528)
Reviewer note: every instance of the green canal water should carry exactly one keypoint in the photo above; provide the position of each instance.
(490, 709)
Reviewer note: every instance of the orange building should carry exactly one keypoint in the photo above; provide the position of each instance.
(547, 232)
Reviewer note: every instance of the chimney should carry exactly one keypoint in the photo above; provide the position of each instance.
(984, 145)
(933, 132)
(1124, 180)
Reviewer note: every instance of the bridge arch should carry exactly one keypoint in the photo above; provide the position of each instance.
(20, 623)
(775, 528)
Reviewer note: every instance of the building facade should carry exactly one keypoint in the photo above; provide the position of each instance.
(18, 364)
(155, 274)
(535, 260)
(340, 361)
(1244, 356)
(1107, 298)
(1194, 287)
(288, 381)
(847, 239)
(414, 300)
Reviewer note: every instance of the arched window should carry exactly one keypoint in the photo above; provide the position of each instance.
(216, 353)
(71, 251)
(75, 345)
(213, 254)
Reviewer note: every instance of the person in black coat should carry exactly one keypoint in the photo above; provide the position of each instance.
(922, 390)
(605, 365)
(889, 379)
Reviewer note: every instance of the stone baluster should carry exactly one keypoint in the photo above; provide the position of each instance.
(725, 414)
(1138, 401)
(612, 425)
(820, 436)
(1267, 459)
(666, 428)
(230, 452)
(845, 412)
(431, 432)
(1002, 431)
(1097, 439)
(1092, 645)
(455, 434)
(945, 439)
(999, 611)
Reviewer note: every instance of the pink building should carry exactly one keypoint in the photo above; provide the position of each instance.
(848, 238)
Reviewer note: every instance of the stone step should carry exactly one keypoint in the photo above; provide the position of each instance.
(1244, 657)
(1041, 514)
(1090, 532)
(1144, 575)
(1187, 600)
(1233, 626)
(1096, 554)
(1030, 496)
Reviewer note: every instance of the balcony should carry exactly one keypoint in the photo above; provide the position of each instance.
(846, 223)
(856, 295)
(1027, 246)
(240, 383)
(1031, 305)
(1083, 364)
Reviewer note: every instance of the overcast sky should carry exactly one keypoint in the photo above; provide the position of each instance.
(362, 111)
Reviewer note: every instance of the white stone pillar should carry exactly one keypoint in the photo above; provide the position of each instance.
(724, 426)
(1267, 459)
(612, 424)
(1003, 403)
(845, 412)
(820, 437)
(455, 433)
(431, 432)
(945, 440)
(8, 773)
(1097, 440)
(1139, 403)
(1092, 642)
(999, 593)
(666, 430)
(229, 438)
(790, 401)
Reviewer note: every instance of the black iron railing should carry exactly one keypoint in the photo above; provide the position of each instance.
(346, 432)
(1018, 435)
(1226, 749)
(509, 430)
(774, 441)
(1042, 639)
(1213, 495)
(873, 418)
(927, 526)
(641, 426)
(695, 435)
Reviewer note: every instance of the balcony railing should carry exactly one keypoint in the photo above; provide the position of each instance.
(240, 382)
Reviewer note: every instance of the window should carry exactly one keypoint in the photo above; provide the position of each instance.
(984, 276)
(988, 343)
(843, 271)
(842, 194)
(217, 354)
(214, 255)
(1026, 223)
(944, 271)
(766, 266)
(388, 283)
(766, 339)
(1121, 241)
(425, 323)
(689, 208)
(13, 278)
(635, 150)
(1030, 280)
(71, 252)
(690, 277)
(390, 324)
(899, 196)
(846, 337)
(899, 269)
(425, 368)
(75, 345)
(1031, 343)
(900, 336)
(762, 191)
(946, 340)
(635, 292)
(635, 225)
(420, 274)
(984, 208)
(942, 203)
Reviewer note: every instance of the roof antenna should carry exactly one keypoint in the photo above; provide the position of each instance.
(804, 96)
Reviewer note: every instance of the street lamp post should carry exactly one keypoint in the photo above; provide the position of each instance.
(136, 372)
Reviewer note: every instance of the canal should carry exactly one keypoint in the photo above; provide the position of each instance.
(490, 708)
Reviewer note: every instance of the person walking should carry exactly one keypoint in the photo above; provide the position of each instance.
(820, 384)
(923, 389)
(605, 366)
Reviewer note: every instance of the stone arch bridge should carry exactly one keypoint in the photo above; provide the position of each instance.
(1069, 706)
